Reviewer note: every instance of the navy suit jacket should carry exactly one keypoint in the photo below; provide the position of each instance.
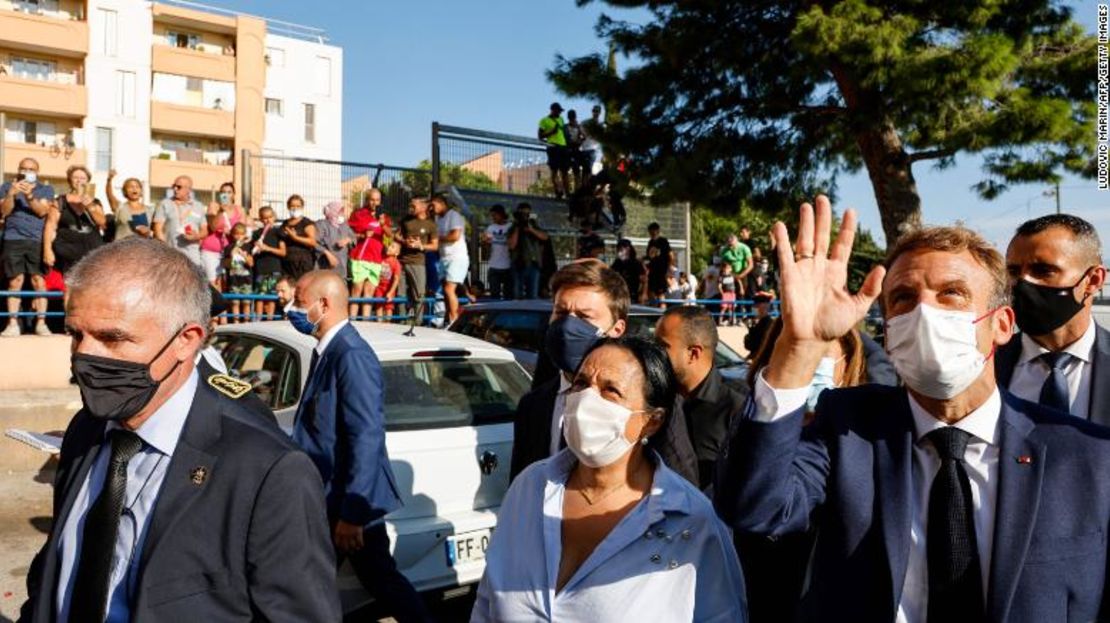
(849, 476)
(1099, 409)
(221, 549)
(341, 426)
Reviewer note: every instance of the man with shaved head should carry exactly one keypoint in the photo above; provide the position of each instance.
(340, 424)
(172, 500)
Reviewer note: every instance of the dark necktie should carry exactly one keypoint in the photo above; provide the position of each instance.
(98, 541)
(312, 363)
(955, 584)
(1054, 392)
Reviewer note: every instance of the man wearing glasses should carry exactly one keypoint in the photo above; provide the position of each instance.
(179, 219)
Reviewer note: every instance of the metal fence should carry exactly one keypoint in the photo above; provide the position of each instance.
(489, 161)
(270, 179)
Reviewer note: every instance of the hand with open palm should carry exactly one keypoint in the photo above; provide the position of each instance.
(816, 305)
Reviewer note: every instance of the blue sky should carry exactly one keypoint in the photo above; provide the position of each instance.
(481, 64)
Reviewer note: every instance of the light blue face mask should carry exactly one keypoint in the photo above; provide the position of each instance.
(824, 378)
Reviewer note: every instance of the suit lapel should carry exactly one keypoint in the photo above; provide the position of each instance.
(893, 465)
(1021, 463)
(1099, 408)
(179, 489)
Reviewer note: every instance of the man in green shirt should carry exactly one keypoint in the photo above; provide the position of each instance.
(739, 255)
(552, 133)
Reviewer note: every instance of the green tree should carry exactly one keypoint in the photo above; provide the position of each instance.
(420, 183)
(770, 100)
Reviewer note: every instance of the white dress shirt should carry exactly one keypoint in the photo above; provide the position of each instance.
(980, 462)
(557, 415)
(145, 473)
(1030, 372)
(326, 339)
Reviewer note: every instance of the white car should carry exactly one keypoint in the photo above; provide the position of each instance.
(449, 403)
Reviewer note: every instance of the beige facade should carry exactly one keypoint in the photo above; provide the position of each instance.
(207, 73)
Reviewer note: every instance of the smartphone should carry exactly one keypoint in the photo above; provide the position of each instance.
(90, 190)
(169, 193)
(20, 177)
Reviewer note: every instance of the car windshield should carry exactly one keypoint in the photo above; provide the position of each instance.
(444, 393)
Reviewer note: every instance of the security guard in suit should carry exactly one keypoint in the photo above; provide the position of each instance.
(340, 424)
(172, 501)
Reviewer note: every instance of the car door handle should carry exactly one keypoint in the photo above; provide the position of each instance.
(488, 462)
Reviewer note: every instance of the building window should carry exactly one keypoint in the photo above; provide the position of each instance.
(35, 7)
(125, 94)
(274, 107)
(310, 123)
(182, 40)
(30, 132)
(103, 149)
(323, 76)
(109, 21)
(33, 68)
(275, 57)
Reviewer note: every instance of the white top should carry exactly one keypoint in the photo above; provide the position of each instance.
(1030, 373)
(450, 221)
(709, 279)
(981, 463)
(669, 559)
(499, 245)
(557, 415)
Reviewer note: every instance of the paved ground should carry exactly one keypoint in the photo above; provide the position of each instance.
(24, 521)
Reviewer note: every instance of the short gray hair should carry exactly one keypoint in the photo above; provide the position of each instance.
(170, 282)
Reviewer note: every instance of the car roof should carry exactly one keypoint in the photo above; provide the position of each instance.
(387, 340)
(544, 305)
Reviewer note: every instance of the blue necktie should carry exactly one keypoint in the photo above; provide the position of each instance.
(1054, 392)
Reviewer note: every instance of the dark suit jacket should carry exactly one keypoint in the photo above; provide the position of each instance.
(222, 550)
(340, 424)
(1099, 409)
(532, 434)
(849, 475)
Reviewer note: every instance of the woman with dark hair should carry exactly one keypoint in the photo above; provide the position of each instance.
(223, 214)
(629, 267)
(299, 234)
(623, 538)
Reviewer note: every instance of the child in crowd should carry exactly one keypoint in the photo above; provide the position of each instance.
(689, 284)
(237, 265)
(728, 293)
(674, 290)
(388, 282)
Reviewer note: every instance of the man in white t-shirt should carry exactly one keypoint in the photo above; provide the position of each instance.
(453, 255)
(500, 274)
(710, 281)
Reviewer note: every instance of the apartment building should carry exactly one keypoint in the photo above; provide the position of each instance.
(161, 89)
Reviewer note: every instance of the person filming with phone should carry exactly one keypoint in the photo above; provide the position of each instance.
(23, 208)
(73, 227)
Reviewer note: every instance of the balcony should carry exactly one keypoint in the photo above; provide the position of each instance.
(53, 161)
(193, 63)
(41, 97)
(205, 176)
(46, 35)
(191, 120)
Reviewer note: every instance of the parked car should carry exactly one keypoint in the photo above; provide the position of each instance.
(520, 326)
(449, 401)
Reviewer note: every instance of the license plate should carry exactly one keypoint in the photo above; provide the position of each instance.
(467, 547)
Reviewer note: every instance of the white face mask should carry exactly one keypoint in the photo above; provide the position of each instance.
(296, 213)
(935, 351)
(823, 378)
(594, 428)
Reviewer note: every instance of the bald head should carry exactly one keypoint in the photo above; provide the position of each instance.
(326, 285)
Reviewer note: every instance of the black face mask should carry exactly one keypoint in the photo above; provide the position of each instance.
(567, 341)
(1040, 310)
(113, 389)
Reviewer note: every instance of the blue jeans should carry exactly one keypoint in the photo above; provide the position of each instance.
(501, 283)
(526, 282)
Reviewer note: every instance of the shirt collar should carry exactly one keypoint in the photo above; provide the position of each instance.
(981, 423)
(564, 383)
(162, 429)
(327, 337)
(667, 494)
(1080, 349)
(709, 388)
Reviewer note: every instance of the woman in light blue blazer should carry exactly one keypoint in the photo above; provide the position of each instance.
(603, 531)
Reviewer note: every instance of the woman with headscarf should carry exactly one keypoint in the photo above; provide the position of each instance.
(333, 238)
